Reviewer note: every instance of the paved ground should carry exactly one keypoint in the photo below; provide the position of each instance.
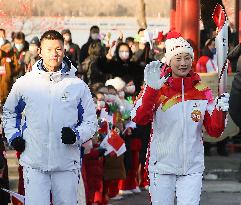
(226, 190)
(207, 198)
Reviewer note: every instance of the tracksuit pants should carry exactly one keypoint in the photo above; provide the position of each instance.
(164, 188)
(62, 184)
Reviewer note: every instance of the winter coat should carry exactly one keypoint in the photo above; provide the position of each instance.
(85, 48)
(235, 100)
(90, 68)
(235, 55)
(178, 111)
(114, 167)
(10, 62)
(125, 70)
(73, 54)
(39, 105)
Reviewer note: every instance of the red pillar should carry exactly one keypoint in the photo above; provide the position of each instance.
(173, 15)
(188, 23)
(178, 15)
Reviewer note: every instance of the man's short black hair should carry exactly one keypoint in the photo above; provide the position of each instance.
(51, 35)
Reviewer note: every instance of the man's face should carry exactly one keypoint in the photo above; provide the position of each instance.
(181, 64)
(52, 53)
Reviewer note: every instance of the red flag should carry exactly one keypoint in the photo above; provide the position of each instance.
(115, 140)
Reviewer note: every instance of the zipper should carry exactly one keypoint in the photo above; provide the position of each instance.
(49, 121)
(183, 127)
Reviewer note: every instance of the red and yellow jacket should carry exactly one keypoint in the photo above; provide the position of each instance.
(177, 112)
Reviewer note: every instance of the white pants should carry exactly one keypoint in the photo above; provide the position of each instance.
(164, 187)
(63, 186)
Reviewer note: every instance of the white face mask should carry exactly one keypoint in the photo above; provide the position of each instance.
(130, 89)
(94, 36)
(19, 47)
(109, 98)
(124, 55)
(67, 38)
(2, 41)
(100, 104)
(66, 47)
(121, 94)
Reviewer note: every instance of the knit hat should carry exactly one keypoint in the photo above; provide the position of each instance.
(176, 44)
(116, 82)
(35, 40)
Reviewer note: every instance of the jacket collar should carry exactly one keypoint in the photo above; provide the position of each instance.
(65, 70)
(189, 81)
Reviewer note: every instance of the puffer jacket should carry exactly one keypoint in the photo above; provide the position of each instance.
(177, 112)
(39, 105)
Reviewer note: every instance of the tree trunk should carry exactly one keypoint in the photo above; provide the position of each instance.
(141, 14)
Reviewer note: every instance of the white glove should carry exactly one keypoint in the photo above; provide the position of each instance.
(152, 74)
(222, 102)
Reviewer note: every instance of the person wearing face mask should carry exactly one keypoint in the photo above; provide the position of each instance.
(8, 63)
(207, 62)
(3, 39)
(20, 47)
(94, 36)
(31, 55)
(143, 54)
(178, 104)
(159, 47)
(122, 66)
(72, 50)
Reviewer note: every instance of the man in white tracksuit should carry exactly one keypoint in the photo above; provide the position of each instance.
(48, 114)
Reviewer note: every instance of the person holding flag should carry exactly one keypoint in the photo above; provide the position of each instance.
(178, 104)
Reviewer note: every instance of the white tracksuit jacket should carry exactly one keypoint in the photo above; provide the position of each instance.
(39, 105)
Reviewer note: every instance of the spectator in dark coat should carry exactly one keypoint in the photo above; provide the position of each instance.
(94, 36)
(121, 66)
(235, 100)
(235, 95)
(90, 67)
(72, 50)
(235, 55)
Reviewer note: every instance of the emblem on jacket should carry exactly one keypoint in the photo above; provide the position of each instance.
(65, 97)
(196, 114)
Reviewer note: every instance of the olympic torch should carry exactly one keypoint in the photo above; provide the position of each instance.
(221, 44)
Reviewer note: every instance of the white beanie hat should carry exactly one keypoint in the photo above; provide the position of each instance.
(176, 44)
(116, 82)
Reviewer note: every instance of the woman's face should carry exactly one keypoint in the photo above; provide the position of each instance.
(181, 64)
(124, 52)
